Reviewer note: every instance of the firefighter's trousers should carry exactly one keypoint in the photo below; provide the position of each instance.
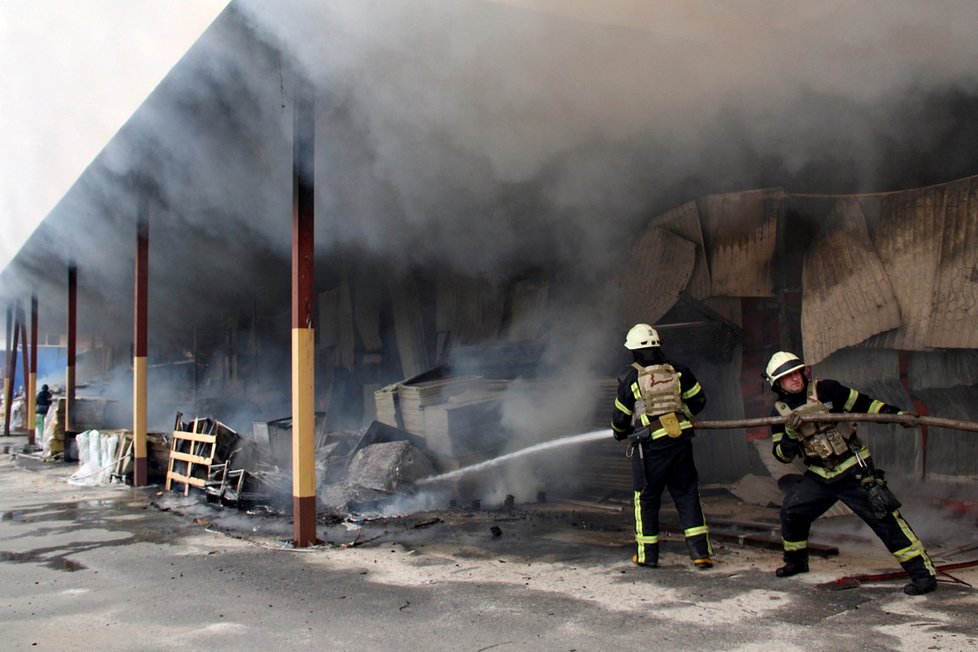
(667, 465)
(810, 497)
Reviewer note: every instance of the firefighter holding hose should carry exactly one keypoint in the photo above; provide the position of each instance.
(839, 468)
(654, 408)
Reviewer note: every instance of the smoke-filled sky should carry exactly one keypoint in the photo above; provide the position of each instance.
(71, 73)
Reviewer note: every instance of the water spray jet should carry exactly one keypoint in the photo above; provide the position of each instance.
(536, 448)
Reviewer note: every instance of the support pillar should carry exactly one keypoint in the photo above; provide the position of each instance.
(8, 396)
(303, 332)
(32, 377)
(7, 380)
(70, 362)
(22, 320)
(139, 362)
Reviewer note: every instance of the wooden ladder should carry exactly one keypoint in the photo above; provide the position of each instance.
(201, 447)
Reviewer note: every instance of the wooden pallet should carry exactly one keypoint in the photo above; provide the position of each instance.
(201, 446)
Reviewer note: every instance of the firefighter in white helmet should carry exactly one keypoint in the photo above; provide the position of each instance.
(839, 468)
(655, 404)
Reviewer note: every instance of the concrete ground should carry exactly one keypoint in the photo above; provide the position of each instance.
(116, 568)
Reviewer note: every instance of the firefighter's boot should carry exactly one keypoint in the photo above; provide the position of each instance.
(922, 578)
(648, 556)
(795, 562)
(921, 585)
(703, 563)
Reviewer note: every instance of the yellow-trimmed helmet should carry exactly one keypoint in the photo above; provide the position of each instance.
(641, 336)
(781, 364)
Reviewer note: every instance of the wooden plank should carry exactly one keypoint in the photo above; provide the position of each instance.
(187, 457)
(194, 436)
(189, 480)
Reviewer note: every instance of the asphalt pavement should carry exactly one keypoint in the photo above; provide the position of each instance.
(117, 568)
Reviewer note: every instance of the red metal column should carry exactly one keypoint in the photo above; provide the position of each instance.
(139, 365)
(32, 378)
(7, 380)
(303, 333)
(11, 372)
(22, 319)
(70, 364)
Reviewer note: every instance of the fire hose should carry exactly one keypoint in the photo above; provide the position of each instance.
(902, 419)
(852, 581)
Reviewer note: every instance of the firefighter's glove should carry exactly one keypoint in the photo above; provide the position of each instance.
(792, 424)
(790, 449)
(881, 499)
(908, 413)
(620, 436)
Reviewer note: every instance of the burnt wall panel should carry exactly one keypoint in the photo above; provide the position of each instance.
(954, 323)
(847, 296)
(740, 231)
(907, 239)
(684, 221)
(652, 276)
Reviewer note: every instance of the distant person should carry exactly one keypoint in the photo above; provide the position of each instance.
(839, 468)
(43, 402)
(657, 399)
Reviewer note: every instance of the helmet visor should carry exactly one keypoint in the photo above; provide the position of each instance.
(787, 368)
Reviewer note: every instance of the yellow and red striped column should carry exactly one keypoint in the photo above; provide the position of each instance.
(303, 331)
(32, 377)
(8, 355)
(139, 362)
(70, 362)
(7, 375)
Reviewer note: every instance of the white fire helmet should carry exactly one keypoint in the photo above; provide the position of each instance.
(781, 364)
(641, 336)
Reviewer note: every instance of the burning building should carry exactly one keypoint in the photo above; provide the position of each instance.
(502, 188)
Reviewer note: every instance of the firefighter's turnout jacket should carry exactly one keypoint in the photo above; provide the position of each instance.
(826, 458)
(662, 397)
(834, 474)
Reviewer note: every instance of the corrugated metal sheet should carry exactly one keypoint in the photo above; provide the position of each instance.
(469, 309)
(529, 309)
(684, 221)
(721, 455)
(952, 454)
(937, 369)
(649, 282)
(944, 381)
(336, 331)
(954, 323)
(409, 326)
(740, 231)
(907, 237)
(366, 307)
(877, 373)
(846, 294)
